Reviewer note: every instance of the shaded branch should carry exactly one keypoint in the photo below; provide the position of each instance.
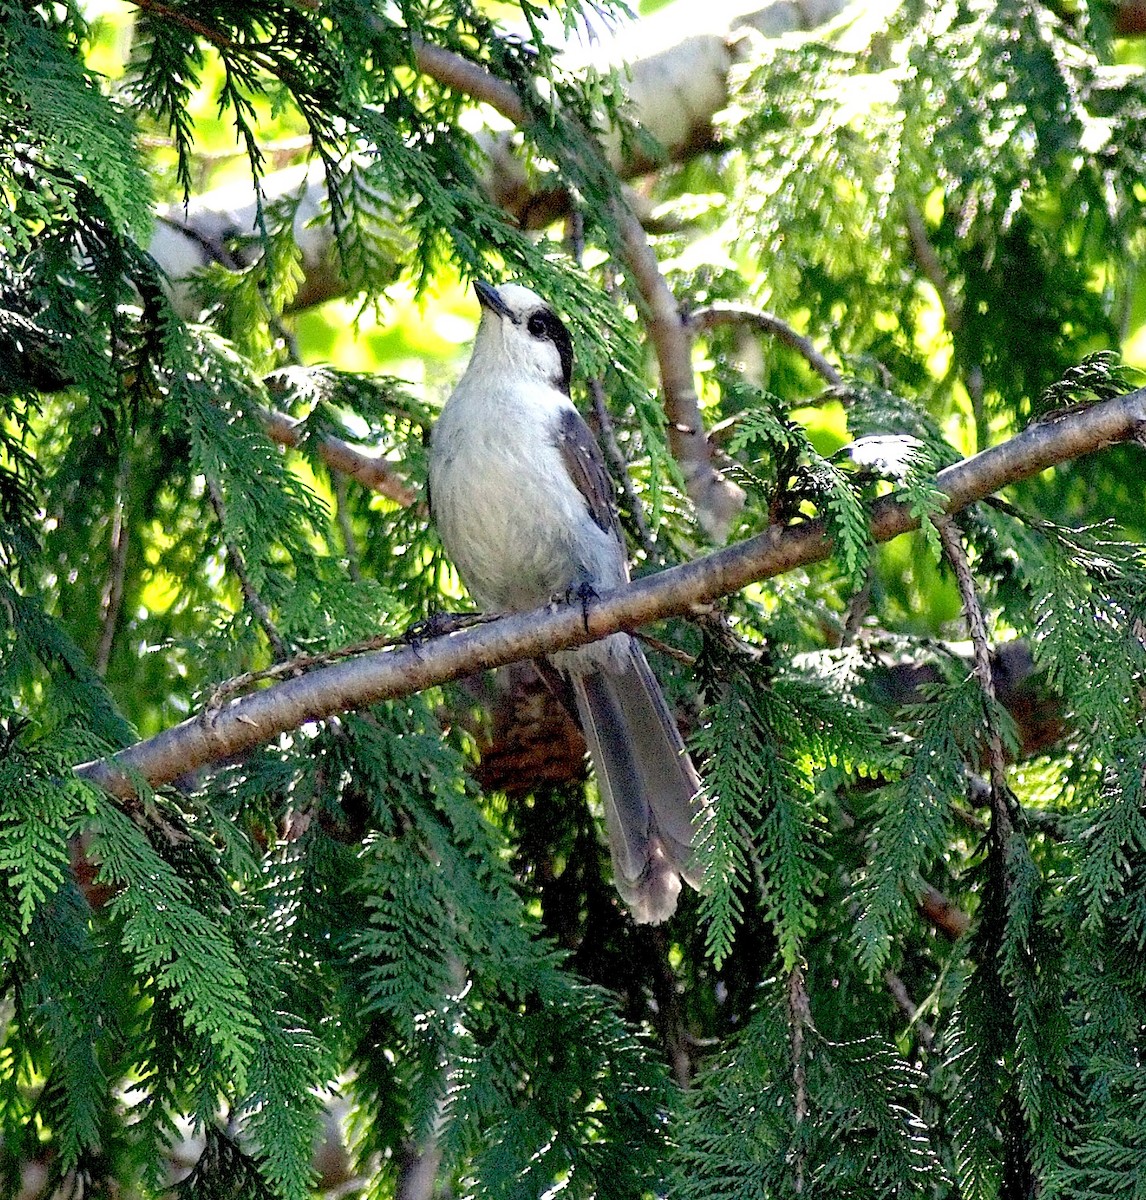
(942, 913)
(470, 78)
(111, 600)
(371, 470)
(977, 627)
(254, 601)
(253, 720)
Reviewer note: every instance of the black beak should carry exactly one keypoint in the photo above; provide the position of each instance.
(488, 298)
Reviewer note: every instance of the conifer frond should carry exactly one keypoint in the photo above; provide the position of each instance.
(762, 822)
(64, 141)
(913, 816)
(69, 1005)
(801, 473)
(860, 1121)
(188, 951)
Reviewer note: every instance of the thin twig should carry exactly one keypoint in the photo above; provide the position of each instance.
(251, 597)
(178, 17)
(908, 1007)
(858, 608)
(295, 665)
(671, 1019)
(799, 1021)
(720, 314)
(681, 656)
(111, 601)
(895, 985)
(977, 627)
(298, 664)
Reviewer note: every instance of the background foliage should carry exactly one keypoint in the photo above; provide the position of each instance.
(915, 971)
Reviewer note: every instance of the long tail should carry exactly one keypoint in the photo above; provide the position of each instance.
(648, 785)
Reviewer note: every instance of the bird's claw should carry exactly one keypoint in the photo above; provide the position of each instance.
(438, 625)
(582, 593)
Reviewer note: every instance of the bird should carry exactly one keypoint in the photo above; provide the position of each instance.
(525, 509)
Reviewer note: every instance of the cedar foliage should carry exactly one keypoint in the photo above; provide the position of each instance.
(342, 910)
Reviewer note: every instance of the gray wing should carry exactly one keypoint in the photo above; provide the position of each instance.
(586, 466)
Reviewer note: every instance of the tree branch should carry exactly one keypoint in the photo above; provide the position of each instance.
(370, 470)
(254, 601)
(977, 627)
(740, 314)
(469, 78)
(717, 499)
(252, 720)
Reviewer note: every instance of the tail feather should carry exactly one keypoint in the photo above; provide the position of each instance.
(647, 783)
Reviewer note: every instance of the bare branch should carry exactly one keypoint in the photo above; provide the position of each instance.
(253, 720)
(470, 78)
(111, 601)
(741, 314)
(254, 601)
(977, 627)
(370, 470)
(717, 499)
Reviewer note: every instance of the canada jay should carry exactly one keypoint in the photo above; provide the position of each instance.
(524, 506)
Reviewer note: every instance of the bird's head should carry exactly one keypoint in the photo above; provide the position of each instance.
(521, 336)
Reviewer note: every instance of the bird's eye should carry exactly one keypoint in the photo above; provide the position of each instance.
(536, 325)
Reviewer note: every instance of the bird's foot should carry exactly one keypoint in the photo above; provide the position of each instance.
(440, 623)
(582, 593)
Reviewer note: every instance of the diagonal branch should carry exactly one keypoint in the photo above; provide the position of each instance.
(252, 720)
(723, 313)
(251, 597)
(366, 468)
(977, 627)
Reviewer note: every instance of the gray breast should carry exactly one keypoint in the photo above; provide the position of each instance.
(507, 518)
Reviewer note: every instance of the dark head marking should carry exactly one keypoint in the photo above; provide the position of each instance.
(546, 326)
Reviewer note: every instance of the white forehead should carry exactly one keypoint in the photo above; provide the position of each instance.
(519, 299)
